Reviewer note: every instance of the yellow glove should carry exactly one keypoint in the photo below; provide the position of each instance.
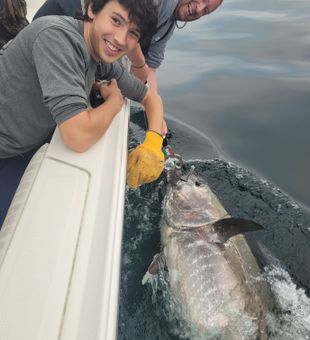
(146, 162)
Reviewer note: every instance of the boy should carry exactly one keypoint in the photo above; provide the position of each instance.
(48, 71)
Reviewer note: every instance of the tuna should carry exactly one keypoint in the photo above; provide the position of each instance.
(211, 272)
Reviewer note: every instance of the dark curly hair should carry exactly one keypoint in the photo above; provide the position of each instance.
(12, 19)
(144, 13)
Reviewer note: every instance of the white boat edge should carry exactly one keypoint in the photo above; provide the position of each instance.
(60, 245)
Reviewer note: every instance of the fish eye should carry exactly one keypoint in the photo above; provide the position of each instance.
(178, 164)
(197, 184)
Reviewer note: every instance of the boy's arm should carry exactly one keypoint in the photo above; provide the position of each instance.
(146, 162)
(154, 110)
(83, 130)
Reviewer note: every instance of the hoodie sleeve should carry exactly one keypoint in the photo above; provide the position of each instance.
(131, 87)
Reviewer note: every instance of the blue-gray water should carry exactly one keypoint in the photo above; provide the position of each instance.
(236, 91)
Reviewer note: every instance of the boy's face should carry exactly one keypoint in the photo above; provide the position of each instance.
(110, 34)
(189, 10)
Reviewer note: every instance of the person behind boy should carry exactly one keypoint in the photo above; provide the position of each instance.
(47, 72)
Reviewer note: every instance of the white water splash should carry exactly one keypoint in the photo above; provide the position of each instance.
(293, 321)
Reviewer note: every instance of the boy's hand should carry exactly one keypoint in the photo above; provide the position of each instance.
(110, 91)
(146, 162)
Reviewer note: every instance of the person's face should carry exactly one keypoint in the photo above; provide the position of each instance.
(189, 10)
(110, 34)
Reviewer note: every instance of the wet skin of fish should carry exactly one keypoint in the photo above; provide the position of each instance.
(212, 273)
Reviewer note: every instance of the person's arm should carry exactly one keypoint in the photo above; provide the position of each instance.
(152, 79)
(152, 83)
(65, 81)
(156, 52)
(138, 64)
(83, 130)
(146, 162)
(154, 110)
(140, 68)
(130, 86)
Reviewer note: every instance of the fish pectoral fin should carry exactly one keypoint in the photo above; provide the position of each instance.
(148, 278)
(225, 228)
(158, 263)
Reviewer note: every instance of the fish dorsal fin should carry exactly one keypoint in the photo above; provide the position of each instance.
(225, 228)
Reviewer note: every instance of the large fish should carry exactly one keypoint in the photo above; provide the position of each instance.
(212, 273)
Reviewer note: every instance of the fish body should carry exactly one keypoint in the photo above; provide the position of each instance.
(212, 273)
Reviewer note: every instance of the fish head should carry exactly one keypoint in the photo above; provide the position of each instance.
(189, 203)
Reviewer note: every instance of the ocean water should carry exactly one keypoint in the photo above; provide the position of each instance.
(236, 92)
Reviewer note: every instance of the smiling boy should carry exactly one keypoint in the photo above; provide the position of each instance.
(49, 70)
